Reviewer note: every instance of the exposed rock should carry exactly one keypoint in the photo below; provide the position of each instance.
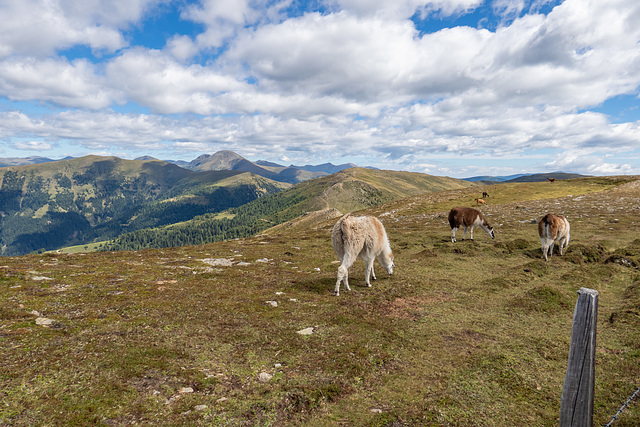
(43, 321)
(264, 377)
(306, 331)
(218, 262)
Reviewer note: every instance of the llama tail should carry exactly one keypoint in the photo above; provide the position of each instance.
(338, 236)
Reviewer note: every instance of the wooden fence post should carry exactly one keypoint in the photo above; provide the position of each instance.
(576, 408)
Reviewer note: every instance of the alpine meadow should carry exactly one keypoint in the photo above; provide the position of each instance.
(248, 332)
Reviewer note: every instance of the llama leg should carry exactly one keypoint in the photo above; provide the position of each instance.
(367, 277)
(471, 232)
(562, 245)
(545, 248)
(343, 275)
(465, 232)
(453, 234)
(373, 273)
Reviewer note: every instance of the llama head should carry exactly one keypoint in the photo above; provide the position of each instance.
(491, 233)
(386, 259)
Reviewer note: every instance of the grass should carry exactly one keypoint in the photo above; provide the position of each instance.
(472, 333)
(88, 247)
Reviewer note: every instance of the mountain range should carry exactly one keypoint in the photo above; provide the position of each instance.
(77, 201)
(219, 161)
(48, 204)
(531, 177)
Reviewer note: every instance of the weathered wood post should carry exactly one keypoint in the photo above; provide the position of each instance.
(576, 408)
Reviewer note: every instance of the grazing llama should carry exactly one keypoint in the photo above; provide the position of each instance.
(362, 237)
(485, 194)
(551, 229)
(480, 202)
(551, 179)
(468, 218)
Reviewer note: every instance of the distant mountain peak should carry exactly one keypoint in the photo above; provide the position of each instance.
(328, 168)
(221, 160)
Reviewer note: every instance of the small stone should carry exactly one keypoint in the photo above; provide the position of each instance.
(200, 407)
(184, 390)
(375, 411)
(264, 377)
(306, 331)
(272, 303)
(222, 399)
(218, 262)
(43, 321)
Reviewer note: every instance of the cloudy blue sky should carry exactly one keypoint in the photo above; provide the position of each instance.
(446, 87)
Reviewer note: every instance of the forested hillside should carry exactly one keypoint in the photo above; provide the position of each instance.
(50, 205)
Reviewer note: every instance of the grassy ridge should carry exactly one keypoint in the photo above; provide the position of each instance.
(345, 191)
(472, 333)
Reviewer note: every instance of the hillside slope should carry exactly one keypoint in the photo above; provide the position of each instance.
(49, 205)
(247, 332)
(349, 190)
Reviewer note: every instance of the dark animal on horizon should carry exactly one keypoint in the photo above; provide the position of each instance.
(551, 229)
(361, 237)
(468, 218)
(551, 179)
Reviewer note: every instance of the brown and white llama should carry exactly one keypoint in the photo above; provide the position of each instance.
(551, 229)
(361, 237)
(468, 218)
(480, 202)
